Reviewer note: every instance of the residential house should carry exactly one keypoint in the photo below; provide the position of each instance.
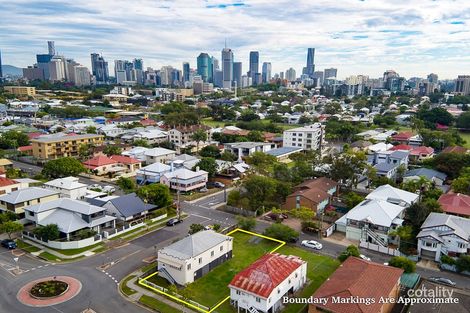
(244, 149)
(261, 286)
(415, 141)
(161, 155)
(182, 135)
(443, 234)
(128, 207)
(129, 163)
(185, 180)
(151, 173)
(393, 195)
(152, 136)
(68, 187)
(57, 146)
(311, 137)
(402, 137)
(358, 279)
(136, 153)
(186, 160)
(102, 165)
(8, 185)
(421, 153)
(455, 149)
(193, 256)
(70, 216)
(314, 194)
(16, 201)
(388, 170)
(434, 176)
(282, 154)
(5, 164)
(455, 204)
(379, 147)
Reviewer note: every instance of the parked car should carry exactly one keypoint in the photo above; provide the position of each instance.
(443, 280)
(362, 256)
(173, 221)
(215, 184)
(293, 239)
(276, 216)
(312, 244)
(204, 189)
(9, 244)
(94, 186)
(109, 189)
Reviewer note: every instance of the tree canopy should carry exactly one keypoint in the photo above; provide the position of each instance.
(63, 167)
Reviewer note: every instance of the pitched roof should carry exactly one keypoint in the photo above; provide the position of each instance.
(401, 147)
(426, 172)
(455, 149)
(358, 278)
(402, 135)
(455, 203)
(25, 148)
(314, 194)
(377, 212)
(124, 159)
(460, 226)
(422, 150)
(156, 167)
(27, 194)
(194, 245)
(98, 161)
(323, 183)
(68, 183)
(67, 204)
(266, 273)
(158, 152)
(184, 173)
(6, 182)
(130, 204)
(391, 194)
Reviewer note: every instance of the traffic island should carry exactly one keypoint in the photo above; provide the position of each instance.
(49, 291)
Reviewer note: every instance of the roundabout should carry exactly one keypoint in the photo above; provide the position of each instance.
(49, 291)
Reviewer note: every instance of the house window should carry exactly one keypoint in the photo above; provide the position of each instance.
(221, 248)
(278, 290)
(296, 275)
(430, 244)
(212, 253)
(258, 299)
(289, 281)
(200, 260)
(238, 292)
(189, 266)
(461, 245)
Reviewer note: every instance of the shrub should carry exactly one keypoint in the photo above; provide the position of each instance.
(404, 263)
(463, 263)
(447, 260)
(351, 250)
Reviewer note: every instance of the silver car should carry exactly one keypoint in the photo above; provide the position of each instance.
(312, 244)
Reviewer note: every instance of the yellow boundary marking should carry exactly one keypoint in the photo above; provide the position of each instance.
(142, 281)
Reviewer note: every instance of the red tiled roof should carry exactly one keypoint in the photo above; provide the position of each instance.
(455, 149)
(402, 136)
(401, 147)
(34, 135)
(266, 273)
(147, 122)
(455, 203)
(422, 150)
(25, 148)
(314, 194)
(240, 132)
(322, 183)
(6, 182)
(98, 161)
(124, 159)
(358, 278)
(441, 127)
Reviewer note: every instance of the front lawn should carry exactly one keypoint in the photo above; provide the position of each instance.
(157, 305)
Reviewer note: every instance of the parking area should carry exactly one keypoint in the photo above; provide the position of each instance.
(463, 297)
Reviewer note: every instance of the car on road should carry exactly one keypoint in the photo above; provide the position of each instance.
(94, 186)
(362, 256)
(109, 189)
(443, 280)
(312, 244)
(215, 184)
(173, 221)
(9, 244)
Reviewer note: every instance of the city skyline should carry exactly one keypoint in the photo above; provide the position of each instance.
(357, 37)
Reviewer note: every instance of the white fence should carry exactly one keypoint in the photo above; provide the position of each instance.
(374, 247)
(122, 230)
(65, 245)
(330, 230)
(159, 218)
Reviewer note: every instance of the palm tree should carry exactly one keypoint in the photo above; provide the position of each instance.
(199, 135)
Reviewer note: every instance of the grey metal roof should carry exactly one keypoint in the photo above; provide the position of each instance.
(385, 167)
(67, 204)
(399, 154)
(194, 245)
(460, 226)
(426, 172)
(27, 194)
(130, 204)
(283, 150)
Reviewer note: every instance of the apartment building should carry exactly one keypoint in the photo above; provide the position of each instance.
(47, 148)
(21, 91)
(181, 135)
(309, 137)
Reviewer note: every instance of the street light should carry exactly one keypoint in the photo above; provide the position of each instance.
(16, 262)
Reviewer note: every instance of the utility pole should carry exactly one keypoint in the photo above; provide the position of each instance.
(178, 203)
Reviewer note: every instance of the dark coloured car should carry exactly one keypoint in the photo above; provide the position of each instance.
(9, 244)
(173, 221)
(215, 184)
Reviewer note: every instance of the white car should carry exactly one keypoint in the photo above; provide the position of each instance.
(362, 256)
(109, 189)
(95, 186)
(312, 244)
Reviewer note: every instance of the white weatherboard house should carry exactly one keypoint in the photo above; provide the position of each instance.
(443, 234)
(261, 286)
(69, 187)
(193, 256)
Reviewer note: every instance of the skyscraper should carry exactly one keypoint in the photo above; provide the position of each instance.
(204, 67)
(186, 71)
(51, 47)
(237, 73)
(266, 71)
(138, 64)
(254, 65)
(1, 70)
(99, 68)
(310, 62)
(227, 67)
(290, 74)
(330, 73)
(120, 71)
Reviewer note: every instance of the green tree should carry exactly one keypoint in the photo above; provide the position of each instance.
(228, 156)
(13, 139)
(351, 250)
(10, 227)
(246, 223)
(461, 185)
(404, 263)
(210, 152)
(207, 164)
(255, 136)
(463, 121)
(157, 194)
(112, 150)
(86, 233)
(261, 161)
(48, 232)
(198, 136)
(450, 163)
(281, 232)
(302, 213)
(91, 130)
(84, 151)
(141, 143)
(194, 228)
(126, 184)
(463, 263)
(352, 199)
(259, 189)
(63, 167)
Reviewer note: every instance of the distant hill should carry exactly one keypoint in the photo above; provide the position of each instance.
(12, 70)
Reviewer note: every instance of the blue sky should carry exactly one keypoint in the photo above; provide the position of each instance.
(358, 37)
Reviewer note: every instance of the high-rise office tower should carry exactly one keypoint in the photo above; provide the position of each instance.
(310, 68)
(227, 67)
(281, 75)
(290, 74)
(120, 71)
(51, 47)
(138, 64)
(462, 85)
(81, 76)
(266, 72)
(57, 70)
(318, 77)
(237, 73)
(204, 67)
(254, 66)
(186, 70)
(99, 68)
(330, 73)
(433, 78)
(1, 70)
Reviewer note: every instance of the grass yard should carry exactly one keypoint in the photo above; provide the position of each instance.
(125, 289)
(466, 137)
(157, 305)
(26, 246)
